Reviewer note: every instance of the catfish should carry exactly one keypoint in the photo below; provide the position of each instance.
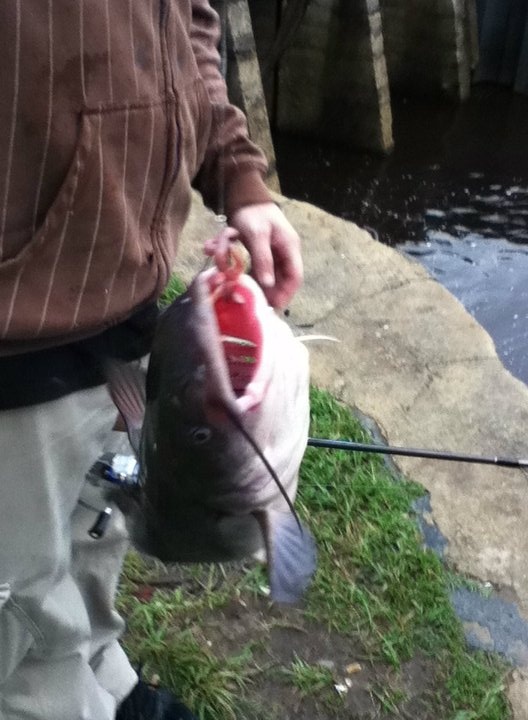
(219, 427)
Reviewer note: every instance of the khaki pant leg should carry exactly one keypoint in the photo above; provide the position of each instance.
(96, 566)
(54, 612)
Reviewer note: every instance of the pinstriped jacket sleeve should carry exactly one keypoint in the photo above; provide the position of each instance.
(231, 159)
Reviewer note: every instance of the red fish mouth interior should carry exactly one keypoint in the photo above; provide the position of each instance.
(241, 335)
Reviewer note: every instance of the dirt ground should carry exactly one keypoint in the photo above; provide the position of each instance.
(361, 689)
(356, 688)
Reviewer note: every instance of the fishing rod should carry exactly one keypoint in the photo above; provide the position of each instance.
(416, 452)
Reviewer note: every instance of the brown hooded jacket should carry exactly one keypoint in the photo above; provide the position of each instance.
(110, 108)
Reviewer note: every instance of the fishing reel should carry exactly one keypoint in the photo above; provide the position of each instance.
(118, 470)
(115, 468)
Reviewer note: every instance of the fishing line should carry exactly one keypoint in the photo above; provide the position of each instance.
(236, 422)
(416, 452)
(223, 50)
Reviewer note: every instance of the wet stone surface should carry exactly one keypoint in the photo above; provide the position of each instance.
(492, 623)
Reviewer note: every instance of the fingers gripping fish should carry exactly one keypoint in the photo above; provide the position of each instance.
(220, 428)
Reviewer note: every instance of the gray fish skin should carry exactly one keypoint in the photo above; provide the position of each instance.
(206, 495)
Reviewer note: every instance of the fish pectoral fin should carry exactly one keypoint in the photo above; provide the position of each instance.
(292, 555)
(126, 384)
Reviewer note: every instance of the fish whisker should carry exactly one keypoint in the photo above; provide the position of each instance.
(315, 338)
(236, 422)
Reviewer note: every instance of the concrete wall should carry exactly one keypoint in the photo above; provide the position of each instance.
(335, 78)
(331, 79)
(430, 45)
(503, 26)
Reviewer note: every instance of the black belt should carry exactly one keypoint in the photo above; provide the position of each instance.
(43, 375)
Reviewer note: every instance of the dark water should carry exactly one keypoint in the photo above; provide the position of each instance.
(453, 194)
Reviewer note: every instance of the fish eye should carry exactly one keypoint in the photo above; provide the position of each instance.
(200, 435)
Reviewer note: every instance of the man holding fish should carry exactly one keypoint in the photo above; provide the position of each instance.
(110, 111)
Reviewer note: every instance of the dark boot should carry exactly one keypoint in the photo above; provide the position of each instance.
(146, 702)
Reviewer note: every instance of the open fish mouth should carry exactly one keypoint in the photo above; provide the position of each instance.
(230, 316)
(240, 334)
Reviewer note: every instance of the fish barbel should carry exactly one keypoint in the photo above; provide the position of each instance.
(219, 429)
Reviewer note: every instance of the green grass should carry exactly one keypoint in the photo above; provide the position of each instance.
(175, 288)
(164, 638)
(308, 679)
(389, 698)
(374, 577)
(374, 582)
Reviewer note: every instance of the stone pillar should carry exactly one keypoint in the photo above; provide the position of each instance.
(430, 45)
(244, 81)
(332, 80)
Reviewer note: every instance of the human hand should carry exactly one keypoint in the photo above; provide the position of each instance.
(274, 248)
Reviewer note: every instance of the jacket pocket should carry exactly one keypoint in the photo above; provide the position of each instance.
(17, 635)
(94, 258)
